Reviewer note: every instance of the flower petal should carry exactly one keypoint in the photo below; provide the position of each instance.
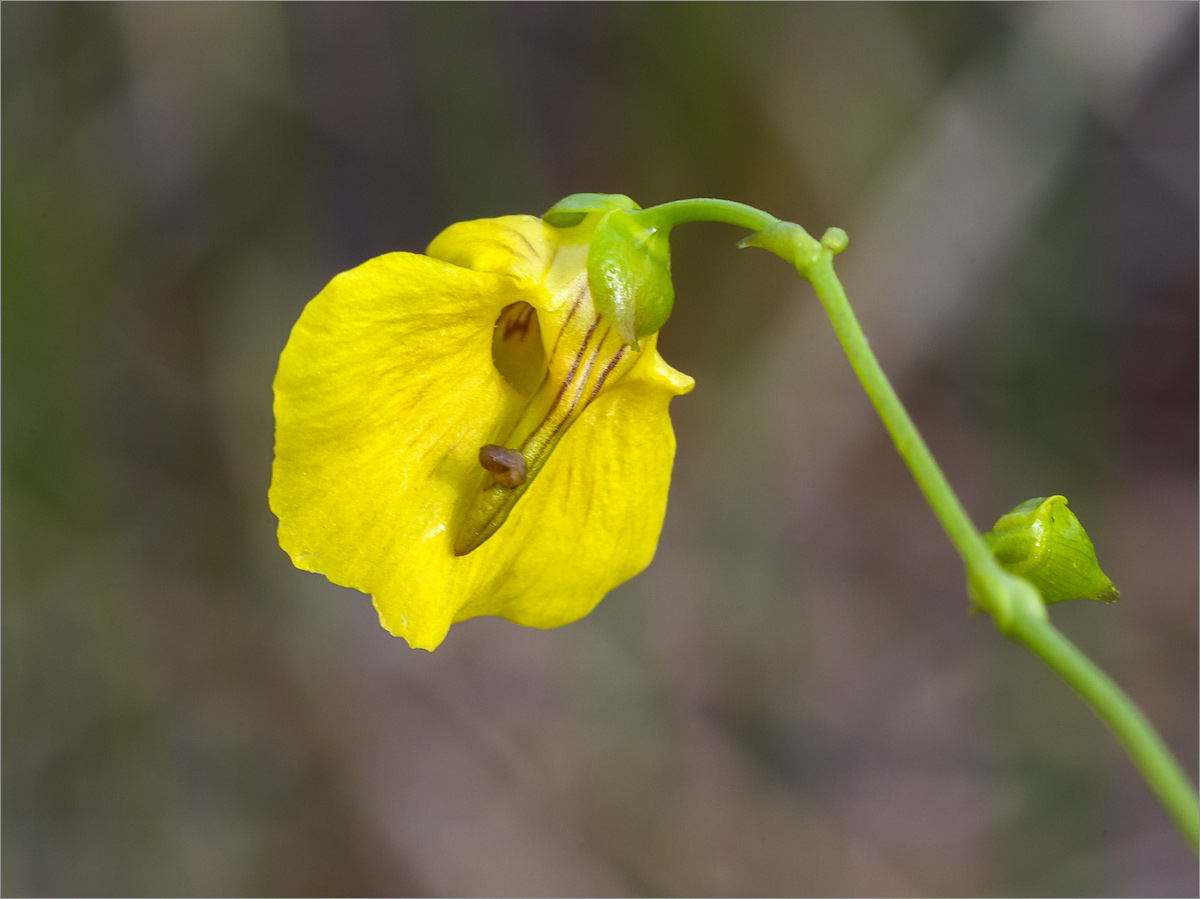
(591, 520)
(518, 245)
(385, 394)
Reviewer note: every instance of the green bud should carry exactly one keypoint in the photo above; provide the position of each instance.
(835, 240)
(1043, 541)
(570, 211)
(629, 271)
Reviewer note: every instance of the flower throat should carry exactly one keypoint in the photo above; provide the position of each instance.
(586, 357)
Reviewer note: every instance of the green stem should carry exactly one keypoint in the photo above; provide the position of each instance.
(1152, 758)
(1015, 615)
(668, 215)
(1013, 602)
(908, 440)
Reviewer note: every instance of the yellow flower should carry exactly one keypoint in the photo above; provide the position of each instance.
(462, 434)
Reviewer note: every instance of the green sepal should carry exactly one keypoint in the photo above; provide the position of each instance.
(570, 211)
(1042, 540)
(629, 271)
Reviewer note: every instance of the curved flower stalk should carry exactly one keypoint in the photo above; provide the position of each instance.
(462, 433)
(483, 430)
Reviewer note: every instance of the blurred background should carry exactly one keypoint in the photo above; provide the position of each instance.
(792, 699)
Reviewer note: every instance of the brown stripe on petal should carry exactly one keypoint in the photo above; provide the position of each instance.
(562, 388)
(583, 291)
(533, 251)
(582, 384)
(612, 363)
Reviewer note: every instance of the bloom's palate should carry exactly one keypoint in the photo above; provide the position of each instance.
(462, 433)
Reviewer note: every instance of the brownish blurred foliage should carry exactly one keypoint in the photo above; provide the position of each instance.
(792, 700)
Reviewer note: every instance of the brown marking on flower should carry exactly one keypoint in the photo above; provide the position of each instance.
(507, 466)
(517, 320)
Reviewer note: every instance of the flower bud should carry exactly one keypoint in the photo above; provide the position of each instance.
(1042, 540)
